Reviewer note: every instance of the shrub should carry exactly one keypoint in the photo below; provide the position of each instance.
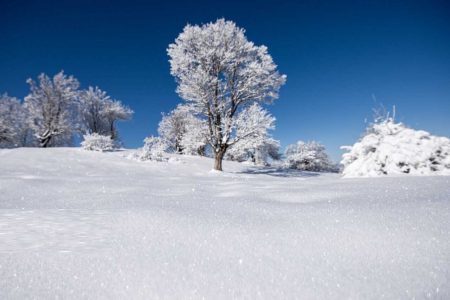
(310, 156)
(97, 142)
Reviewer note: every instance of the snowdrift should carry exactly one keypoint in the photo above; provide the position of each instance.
(391, 148)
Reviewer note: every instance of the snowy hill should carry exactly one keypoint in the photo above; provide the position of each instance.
(77, 224)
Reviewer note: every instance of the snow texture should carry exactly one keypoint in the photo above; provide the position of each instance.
(390, 148)
(76, 224)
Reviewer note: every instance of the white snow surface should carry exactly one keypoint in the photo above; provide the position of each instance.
(76, 224)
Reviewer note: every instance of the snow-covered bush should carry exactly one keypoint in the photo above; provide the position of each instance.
(392, 148)
(154, 149)
(97, 142)
(310, 156)
(267, 152)
(259, 151)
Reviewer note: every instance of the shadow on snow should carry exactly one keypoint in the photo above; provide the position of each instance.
(279, 172)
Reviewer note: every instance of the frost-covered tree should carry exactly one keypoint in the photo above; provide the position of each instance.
(219, 72)
(255, 143)
(173, 127)
(391, 148)
(12, 122)
(52, 108)
(114, 111)
(92, 105)
(309, 156)
(154, 149)
(99, 112)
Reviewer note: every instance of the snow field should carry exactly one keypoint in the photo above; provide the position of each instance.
(77, 224)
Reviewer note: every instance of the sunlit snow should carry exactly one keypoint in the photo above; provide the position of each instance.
(77, 224)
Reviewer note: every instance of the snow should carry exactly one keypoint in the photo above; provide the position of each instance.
(80, 224)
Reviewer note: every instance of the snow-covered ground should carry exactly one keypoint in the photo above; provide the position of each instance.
(77, 224)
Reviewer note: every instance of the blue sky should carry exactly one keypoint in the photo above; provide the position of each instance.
(338, 57)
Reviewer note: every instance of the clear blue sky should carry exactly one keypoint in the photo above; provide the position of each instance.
(337, 56)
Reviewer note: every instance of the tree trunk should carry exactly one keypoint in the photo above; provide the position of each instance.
(218, 159)
(178, 148)
(44, 142)
(113, 131)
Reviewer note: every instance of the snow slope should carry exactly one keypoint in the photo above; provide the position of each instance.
(77, 224)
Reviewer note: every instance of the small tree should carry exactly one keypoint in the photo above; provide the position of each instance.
(173, 127)
(219, 72)
(92, 106)
(114, 111)
(310, 156)
(52, 108)
(99, 112)
(12, 122)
